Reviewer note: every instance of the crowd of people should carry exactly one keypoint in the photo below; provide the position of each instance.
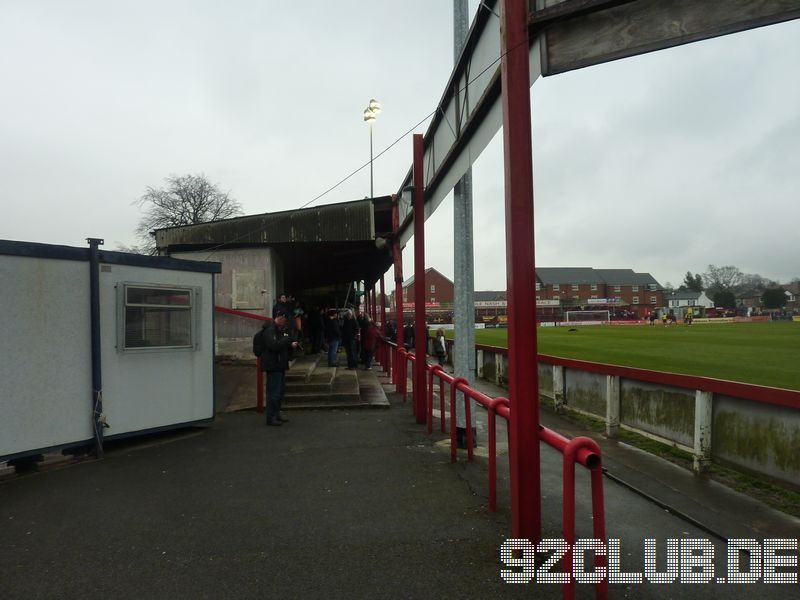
(295, 329)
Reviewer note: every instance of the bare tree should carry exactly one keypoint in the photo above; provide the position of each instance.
(721, 279)
(185, 200)
(754, 281)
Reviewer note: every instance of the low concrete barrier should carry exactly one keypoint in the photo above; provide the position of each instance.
(754, 428)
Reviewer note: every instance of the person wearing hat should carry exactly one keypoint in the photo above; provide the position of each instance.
(276, 340)
(283, 304)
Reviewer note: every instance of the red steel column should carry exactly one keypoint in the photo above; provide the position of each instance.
(374, 303)
(523, 377)
(398, 278)
(420, 340)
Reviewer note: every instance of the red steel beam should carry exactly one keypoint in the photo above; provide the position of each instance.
(420, 337)
(526, 521)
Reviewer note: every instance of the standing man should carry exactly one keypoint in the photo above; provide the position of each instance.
(277, 340)
(349, 335)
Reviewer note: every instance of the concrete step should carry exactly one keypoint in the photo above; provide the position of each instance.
(302, 367)
(302, 387)
(341, 391)
(323, 374)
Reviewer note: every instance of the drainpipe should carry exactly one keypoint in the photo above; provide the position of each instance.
(97, 379)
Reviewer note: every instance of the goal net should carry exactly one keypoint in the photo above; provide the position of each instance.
(587, 316)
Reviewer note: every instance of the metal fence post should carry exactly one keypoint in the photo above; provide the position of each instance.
(702, 430)
(612, 405)
(559, 388)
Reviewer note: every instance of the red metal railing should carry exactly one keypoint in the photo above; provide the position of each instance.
(580, 450)
(746, 391)
(259, 372)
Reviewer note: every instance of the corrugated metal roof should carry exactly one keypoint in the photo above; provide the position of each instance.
(345, 222)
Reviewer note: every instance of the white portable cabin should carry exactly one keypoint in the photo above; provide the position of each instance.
(152, 350)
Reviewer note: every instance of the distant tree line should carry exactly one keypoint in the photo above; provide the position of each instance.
(724, 283)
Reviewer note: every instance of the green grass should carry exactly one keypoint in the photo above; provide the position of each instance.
(759, 353)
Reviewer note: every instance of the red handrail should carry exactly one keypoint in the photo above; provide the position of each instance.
(581, 450)
(259, 372)
(736, 389)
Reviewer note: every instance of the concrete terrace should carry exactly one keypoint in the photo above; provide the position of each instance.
(338, 503)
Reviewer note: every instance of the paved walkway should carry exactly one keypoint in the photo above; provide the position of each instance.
(334, 504)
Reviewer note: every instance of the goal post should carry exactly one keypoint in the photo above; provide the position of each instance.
(574, 316)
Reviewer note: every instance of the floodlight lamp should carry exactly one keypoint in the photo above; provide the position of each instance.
(374, 106)
(368, 117)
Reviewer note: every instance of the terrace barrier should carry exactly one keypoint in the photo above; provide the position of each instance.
(259, 372)
(751, 427)
(580, 450)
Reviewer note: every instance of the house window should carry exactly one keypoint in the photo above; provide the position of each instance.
(594, 288)
(538, 286)
(691, 302)
(556, 287)
(616, 288)
(433, 299)
(635, 300)
(653, 300)
(594, 297)
(635, 288)
(652, 287)
(575, 287)
(405, 295)
(433, 289)
(156, 317)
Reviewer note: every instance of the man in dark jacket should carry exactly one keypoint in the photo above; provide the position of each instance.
(283, 305)
(276, 341)
(333, 335)
(349, 335)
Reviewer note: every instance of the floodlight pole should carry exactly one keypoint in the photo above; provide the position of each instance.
(523, 377)
(371, 192)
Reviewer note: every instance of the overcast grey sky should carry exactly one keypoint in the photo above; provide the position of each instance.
(662, 163)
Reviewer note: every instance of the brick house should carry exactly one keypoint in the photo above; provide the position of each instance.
(439, 291)
(614, 289)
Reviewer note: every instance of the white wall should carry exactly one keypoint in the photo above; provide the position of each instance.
(45, 353)
(148, 388)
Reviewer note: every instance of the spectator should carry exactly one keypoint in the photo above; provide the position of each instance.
(349, 335)
(408, 335)
(333, 335)
(276, 343)
(370, 340)
(440, 346)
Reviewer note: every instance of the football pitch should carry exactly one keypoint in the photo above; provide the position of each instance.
(760, 353)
